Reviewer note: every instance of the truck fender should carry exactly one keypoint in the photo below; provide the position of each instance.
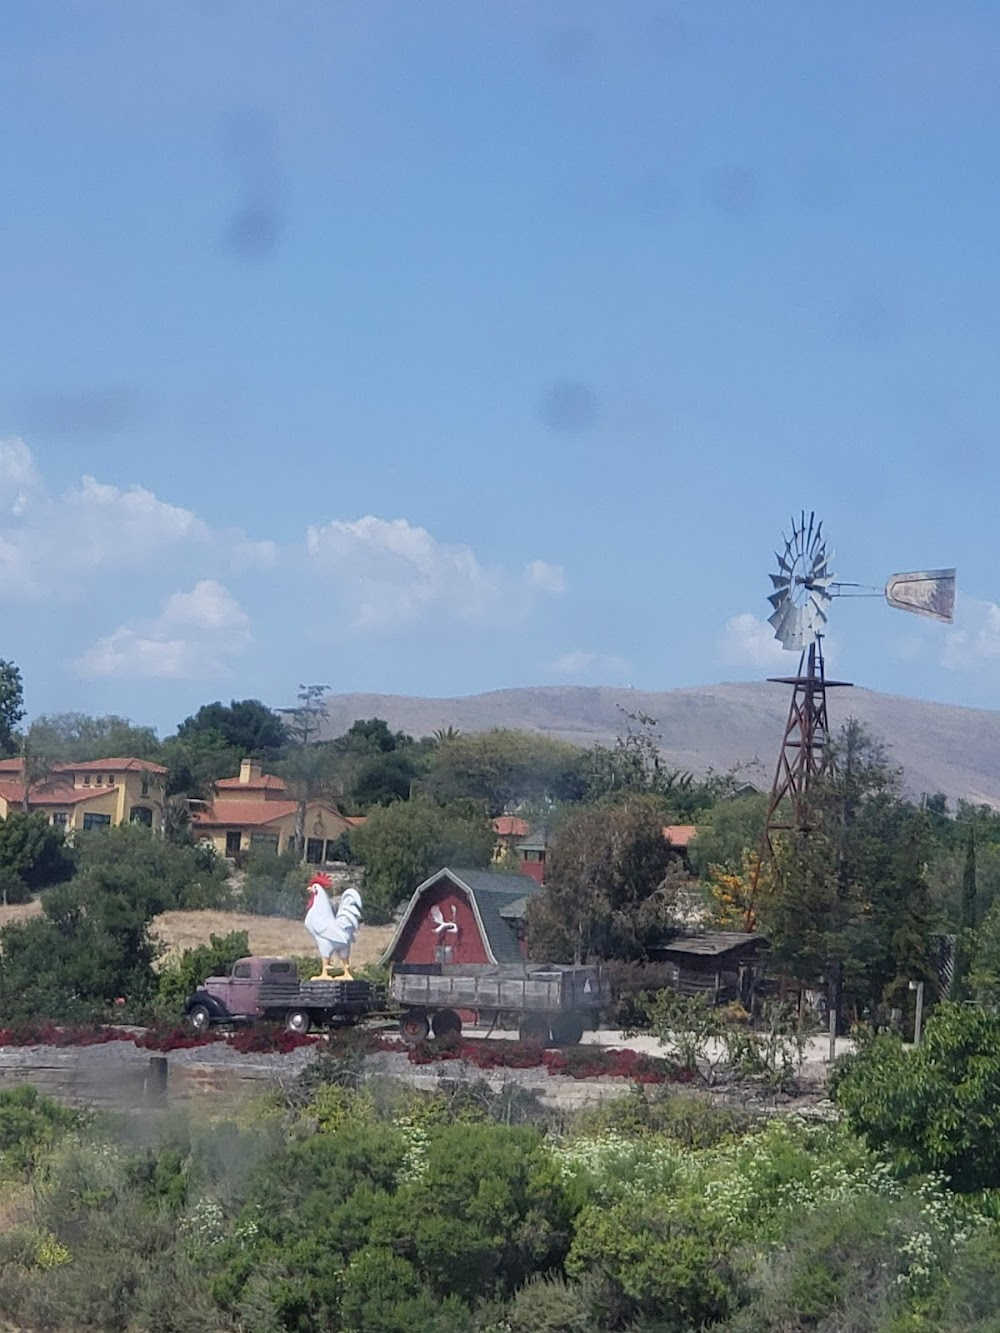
(219, 1012)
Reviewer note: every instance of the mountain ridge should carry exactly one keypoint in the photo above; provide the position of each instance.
(940, 747)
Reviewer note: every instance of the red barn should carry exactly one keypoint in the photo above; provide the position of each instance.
(463, 917)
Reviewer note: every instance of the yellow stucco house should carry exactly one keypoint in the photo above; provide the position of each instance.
(89, 795)
(255, 812)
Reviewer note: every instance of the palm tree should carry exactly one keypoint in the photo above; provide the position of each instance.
(36, 768)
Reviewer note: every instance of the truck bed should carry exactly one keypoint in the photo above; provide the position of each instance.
(344, 997)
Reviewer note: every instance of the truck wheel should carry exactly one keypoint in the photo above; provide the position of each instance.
(446, 1023)
(199, 1019)
(298, 1020)
(534, 1028)
(567, 1029)
(413, 1027)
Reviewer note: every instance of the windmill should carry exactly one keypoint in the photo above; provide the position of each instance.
(803, 588)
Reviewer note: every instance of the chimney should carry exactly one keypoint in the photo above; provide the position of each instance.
(249, 772)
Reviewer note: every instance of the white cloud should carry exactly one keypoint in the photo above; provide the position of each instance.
(193, 638)
(391, 572)
(549, 578)
(581, 663)
(749, 641)
(93, 542)
(976, 638)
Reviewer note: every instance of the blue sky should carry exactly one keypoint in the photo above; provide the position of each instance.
(442, 347)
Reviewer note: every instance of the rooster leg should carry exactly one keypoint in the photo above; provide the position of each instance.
(345, 973)
(324, 974)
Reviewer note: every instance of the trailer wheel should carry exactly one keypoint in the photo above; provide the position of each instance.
(567, 1029)
(414, 1027)
(199, 1019)
(534, 1028)
(298, 1020)
(446, 1023)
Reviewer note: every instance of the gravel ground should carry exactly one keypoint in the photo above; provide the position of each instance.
(115, 1074)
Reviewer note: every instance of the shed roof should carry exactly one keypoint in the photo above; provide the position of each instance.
(537, 841)
(713, 942)
(494, 897)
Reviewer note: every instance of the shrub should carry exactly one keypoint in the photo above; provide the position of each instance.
(29, 1122)
(550, 1304)
(663, 1263)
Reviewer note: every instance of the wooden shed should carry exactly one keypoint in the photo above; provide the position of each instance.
(721, 965)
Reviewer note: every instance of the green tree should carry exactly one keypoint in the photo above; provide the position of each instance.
(399, 845)
(33, 853)
(968, 921)
(983, 979)
(92, 942)
(851, 906)
(195, 764)
(606, 890)
(936, 1108)
(503, 768)
(726, 831)
(244, 725)
(11, 706)
(74, 736)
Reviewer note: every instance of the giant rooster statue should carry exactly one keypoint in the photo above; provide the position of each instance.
(333, 931)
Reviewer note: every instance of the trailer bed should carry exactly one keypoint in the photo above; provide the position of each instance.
(515, 989)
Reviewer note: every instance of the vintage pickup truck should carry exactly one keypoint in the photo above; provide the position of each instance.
(260, 987)
(551, 1003)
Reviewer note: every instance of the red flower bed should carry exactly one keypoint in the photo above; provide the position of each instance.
(262, 1041)
(576, 1061)
(248, 1041)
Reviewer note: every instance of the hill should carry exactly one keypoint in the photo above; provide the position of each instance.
(940, 747)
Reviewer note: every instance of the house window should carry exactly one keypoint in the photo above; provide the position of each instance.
(141, 814)
(233, 841)
(264, 842)
(333, 849)
(145, 784)
(86, 779)
(91, 820)
(59, 819)
(314, 851)
(443, 953)
(290, 844)
(111, 779)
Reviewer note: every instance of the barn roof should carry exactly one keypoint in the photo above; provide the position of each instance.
(495, 899)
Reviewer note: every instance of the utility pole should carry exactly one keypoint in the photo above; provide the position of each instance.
(918, 1019)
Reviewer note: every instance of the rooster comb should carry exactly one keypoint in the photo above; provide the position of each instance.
(322, 880)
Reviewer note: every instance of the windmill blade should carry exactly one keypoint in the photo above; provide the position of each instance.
(924, 592)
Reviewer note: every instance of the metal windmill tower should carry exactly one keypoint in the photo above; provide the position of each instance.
(803, 588)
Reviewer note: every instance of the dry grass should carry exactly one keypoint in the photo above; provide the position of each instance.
(20, 912)
(268, 934)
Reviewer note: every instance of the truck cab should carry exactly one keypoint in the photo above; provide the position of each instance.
(235, 998)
